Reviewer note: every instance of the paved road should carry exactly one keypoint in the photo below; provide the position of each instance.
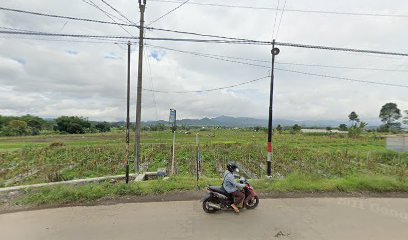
(324, 218)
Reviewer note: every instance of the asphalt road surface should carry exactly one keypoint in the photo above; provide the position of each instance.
(307, 218)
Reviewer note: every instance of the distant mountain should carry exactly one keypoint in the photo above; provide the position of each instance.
(227, 121)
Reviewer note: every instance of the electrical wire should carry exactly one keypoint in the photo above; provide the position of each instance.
(151, 81)
(247, 41)
(216, 57)
(164, 15)
(288, 10)
(117, 11)
(274, 22)
(338, 49)
(107, 14)
(342, 78)
(280, 21)
(208, 90)
(228, 59)
(92, 4)
(65, 17)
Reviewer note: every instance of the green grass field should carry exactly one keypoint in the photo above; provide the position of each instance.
(37, 159)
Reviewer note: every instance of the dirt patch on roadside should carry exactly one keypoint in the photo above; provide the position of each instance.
(9, 207)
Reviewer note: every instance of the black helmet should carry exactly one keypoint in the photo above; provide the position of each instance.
(231, 166)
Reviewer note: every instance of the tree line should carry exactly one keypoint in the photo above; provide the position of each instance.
(32, 125)
(391, 116)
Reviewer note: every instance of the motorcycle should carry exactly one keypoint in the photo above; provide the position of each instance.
(218, 199)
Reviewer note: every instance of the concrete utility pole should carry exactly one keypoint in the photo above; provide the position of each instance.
(274, 51)
(139, 86)
(127, 115)
(172, 121)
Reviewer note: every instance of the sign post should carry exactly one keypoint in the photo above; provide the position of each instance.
(172, 121)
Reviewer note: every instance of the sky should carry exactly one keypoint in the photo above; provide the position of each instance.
(50, 77)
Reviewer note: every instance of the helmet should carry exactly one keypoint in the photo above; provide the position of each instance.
(231, 166)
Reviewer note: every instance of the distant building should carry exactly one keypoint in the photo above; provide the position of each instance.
(306, 130)
(398, 143)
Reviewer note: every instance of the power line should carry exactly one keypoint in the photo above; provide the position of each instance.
(237, 41)
(107, 14)
(216, 57)
(121, 24)
(117, 11)
(164, 15)
(342, 78)
(289, 10)
(343, 67)
(208, 90)
(280, 21)
(64, 35)
(274, 22)
(65, 17)
(146, 56)
(298, 45)
(106, 41)
(228, 59)
(241, 40)
(92, 4)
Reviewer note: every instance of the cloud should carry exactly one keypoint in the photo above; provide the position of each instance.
(50, 77)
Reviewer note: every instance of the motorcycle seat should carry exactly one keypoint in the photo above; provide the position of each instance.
(219, 190)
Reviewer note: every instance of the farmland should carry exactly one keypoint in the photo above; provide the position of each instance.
(37, 159)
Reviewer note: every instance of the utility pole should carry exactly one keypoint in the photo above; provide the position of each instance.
(127, 115)
(274, 51)
(172, 121)
(139, 86)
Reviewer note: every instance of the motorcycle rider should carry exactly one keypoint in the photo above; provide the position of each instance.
(231, 186)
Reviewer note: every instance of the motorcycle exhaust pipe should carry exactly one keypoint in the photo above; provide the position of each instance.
(213, 205)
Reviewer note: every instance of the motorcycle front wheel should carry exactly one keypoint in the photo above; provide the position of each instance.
(252, 203)
(207, 208)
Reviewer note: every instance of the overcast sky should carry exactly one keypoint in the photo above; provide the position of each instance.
(54, 78)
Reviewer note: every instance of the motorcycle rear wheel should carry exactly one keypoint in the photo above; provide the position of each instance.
(208, 209)
(253, 203)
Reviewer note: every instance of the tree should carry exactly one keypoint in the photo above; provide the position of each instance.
(356, 129)
(353, 117)
(279, 128)
(103, 127)
(389, 115)
(295, 129)
(405, 119)
(343, 127)
(72, 124)
(16, 128)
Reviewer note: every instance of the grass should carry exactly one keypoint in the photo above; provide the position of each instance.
(306, 163)
(50, 158)
(67, 194)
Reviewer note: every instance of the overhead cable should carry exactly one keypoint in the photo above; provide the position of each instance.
(247, 61)
(117, 11)
(339, 49)
(107, 14)
(288, 10)
(208, 90)
(280, 21)
(243, 41)
(66, 17)
(342, 78)
(167, 13)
